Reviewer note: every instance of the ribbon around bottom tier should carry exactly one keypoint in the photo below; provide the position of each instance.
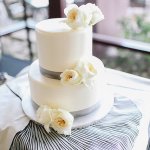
(56, 75)
(78, 113)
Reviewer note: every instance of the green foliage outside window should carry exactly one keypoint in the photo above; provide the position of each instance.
(137, 28)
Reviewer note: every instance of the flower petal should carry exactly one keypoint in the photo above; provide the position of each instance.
(69, 8)
(65, 126)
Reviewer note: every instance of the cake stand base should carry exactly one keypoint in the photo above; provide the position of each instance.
(30, 108)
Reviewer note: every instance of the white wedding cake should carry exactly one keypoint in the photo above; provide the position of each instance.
(66, 79)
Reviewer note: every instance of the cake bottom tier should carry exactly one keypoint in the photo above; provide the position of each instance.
(73, 98)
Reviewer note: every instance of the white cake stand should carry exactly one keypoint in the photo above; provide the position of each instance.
(30, 108)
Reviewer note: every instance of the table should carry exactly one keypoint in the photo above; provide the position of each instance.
(134, 87)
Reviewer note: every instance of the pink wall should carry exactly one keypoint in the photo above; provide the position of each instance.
(113, 10)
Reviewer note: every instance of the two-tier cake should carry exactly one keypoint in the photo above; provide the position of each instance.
(67, 81)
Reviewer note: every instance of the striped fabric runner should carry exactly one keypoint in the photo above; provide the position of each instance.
(116, 131)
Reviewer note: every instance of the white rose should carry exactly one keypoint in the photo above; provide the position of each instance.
(62, 121)
(83, 16)
(86, 14)
(97, 15)
(71, 77)
(86, 69)
(90, 69)
(69, 8)
(77, 17)
(43, 116)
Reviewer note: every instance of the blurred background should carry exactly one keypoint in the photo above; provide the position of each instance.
(121, 40)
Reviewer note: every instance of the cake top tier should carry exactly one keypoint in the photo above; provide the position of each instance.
(62, 42)
(59, 46)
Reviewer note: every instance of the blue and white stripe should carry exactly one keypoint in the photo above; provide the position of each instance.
(117, 131)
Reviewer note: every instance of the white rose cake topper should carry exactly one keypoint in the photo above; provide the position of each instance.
(85, 15)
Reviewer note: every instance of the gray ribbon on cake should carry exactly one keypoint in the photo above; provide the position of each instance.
(85, 111)
(79, 113)
(50, 74)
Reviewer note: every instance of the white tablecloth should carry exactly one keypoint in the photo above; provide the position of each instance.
(11, 113)
(138, 89)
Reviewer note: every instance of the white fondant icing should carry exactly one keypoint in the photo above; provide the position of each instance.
(59, 46)
(46, 91)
